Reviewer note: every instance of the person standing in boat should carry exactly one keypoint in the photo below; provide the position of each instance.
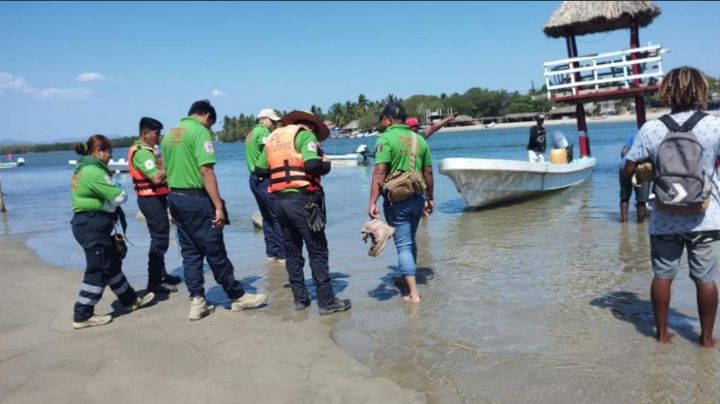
(538, 140)
(684, 89)
(295, 163)
(96, 201)
(199, 212)
(254, 145)
(393, 153)
(149, 181)
(642, 190)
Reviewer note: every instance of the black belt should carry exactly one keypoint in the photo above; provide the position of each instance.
(189, 191)
(291, 195)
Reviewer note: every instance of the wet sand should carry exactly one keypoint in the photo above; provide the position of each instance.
(157, 355)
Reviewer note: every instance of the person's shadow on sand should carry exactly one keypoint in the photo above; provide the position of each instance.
(383, 291)
(627, 306)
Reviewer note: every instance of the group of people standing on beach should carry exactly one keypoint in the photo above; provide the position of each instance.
(174, 174)
(286, 165)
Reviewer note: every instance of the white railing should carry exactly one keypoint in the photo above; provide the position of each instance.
(604, 69)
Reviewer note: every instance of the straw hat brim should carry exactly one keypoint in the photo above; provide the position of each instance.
(293, 117)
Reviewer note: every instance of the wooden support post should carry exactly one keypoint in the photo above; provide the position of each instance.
(2, 199)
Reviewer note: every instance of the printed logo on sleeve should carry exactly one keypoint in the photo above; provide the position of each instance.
(209, 147)
(378, 148)
(149, 165)
(312, 146)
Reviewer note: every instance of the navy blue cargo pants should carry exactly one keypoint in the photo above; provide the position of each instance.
(193, 212)
(154, 208)
(293, 220)
(274, 244)
(93, 230)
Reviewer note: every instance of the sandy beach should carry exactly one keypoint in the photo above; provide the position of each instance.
(157, 355)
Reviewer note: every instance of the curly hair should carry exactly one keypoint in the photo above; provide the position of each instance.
(683, 89)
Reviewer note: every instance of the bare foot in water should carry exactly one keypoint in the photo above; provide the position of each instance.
(412, 299)
(664, 338)
(709, 344)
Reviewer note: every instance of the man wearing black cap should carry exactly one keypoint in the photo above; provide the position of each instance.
(294, 162)
(538, 142)
(399, 150)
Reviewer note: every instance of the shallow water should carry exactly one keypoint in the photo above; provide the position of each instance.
(540, 301)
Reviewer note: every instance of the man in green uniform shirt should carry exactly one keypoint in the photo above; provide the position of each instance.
(254, 145)
(148, 174)
(198, 210)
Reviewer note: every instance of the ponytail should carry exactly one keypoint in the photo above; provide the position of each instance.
(81, 149)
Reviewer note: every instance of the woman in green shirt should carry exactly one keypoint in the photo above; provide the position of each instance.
(95, 202)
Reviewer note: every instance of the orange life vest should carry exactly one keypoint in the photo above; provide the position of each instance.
(143, 185)
(287, 170)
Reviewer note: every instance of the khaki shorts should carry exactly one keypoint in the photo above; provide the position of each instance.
(703, 252)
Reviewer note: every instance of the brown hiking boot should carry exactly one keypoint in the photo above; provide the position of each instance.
(379, 233)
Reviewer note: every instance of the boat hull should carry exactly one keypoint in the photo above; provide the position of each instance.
(486, 182)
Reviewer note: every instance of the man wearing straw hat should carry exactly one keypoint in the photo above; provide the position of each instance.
(254, 145)
(294, 162)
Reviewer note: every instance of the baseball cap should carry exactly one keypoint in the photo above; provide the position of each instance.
(268, 113)
(540, 116)
(412, 121)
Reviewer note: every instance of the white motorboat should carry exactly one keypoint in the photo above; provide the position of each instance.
(485, 182)
(361, 157)
(117, 166)
(13, 164)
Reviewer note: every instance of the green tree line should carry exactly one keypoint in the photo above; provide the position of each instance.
(125, 141)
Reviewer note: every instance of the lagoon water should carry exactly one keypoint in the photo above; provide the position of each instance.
(540, 301)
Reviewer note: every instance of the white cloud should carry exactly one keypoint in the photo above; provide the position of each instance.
(217, 93)
(10, 82)
(90, 76)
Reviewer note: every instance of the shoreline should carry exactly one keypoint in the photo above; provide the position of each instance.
(650, 114)
(157, 354)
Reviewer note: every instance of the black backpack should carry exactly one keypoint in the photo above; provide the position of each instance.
(681, 183)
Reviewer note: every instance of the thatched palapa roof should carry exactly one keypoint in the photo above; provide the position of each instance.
(587, 17)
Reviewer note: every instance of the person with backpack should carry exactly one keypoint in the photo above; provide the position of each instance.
(682, 147)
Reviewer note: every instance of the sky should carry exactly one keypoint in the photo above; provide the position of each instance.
(72, 69)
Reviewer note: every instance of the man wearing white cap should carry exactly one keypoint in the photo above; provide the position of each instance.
(254, 145)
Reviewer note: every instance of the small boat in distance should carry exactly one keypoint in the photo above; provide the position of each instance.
(116, 166)
(12, 163)
(361, 156)
(486, 182)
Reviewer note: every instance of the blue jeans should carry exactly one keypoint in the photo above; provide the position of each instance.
(193, 212)
(405, 217)
(274, 246)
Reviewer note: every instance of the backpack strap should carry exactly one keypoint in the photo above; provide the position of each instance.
(692, 121)
(687, 126)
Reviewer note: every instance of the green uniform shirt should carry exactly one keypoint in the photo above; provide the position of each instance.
(394, 145)
(185, 149)
(255, 144)
(305, 142)
(145, 160)
(92, 189)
